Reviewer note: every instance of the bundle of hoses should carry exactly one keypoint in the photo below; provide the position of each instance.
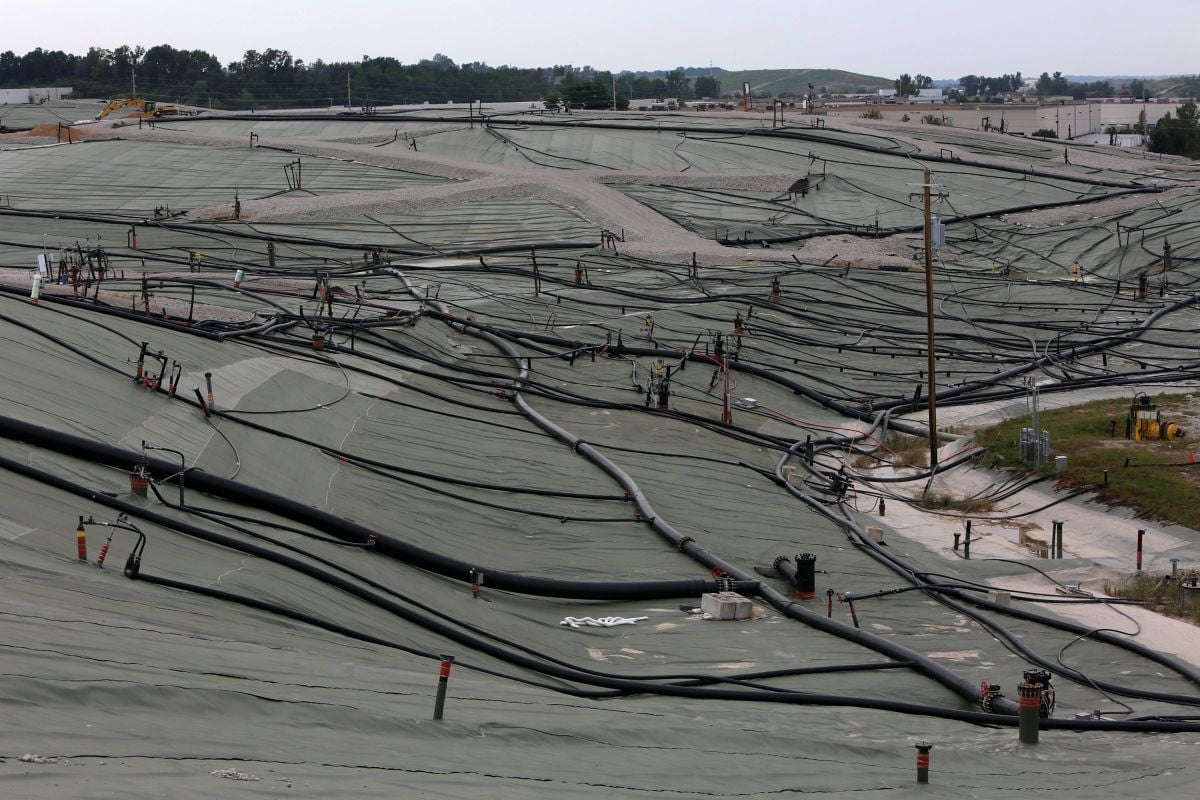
(78, 447)
(422, 558)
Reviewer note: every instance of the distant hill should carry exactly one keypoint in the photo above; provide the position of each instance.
(690, 72)
(1110, 78)
(1182, 86)
(795, 81)
(781, 81)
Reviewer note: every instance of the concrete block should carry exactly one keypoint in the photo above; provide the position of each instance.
(875, 534)
(999, 597)
(726, 605)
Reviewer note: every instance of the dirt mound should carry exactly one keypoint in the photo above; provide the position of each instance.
(51, 130)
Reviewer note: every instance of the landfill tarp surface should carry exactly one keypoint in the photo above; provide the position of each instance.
(391, 371)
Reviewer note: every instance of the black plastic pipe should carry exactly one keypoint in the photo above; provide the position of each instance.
(414, 555)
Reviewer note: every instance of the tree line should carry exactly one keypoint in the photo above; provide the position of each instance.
(1178, 135)
(585, 88)
(1057, 84)
(907, 86)
(274, 78)
(985, 86)
(980, 87)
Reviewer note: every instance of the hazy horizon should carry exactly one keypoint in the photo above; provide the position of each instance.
(861, 36)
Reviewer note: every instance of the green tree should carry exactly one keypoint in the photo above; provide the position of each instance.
(678, 84)
(1052, 84)
(593, 95)
(707, 86)
(905, 86)
(273, 77)
(1178, 136)
(1097, 89)
(979, 85)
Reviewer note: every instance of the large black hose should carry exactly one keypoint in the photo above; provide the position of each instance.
(686, 689)
(958, 600)
(967, 690)
(689, 689)
(191, 227)
(414, 555)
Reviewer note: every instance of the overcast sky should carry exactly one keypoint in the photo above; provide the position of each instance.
(941, 38)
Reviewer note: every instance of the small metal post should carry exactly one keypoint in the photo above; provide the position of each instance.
(806, 566)
(957, 536)
(923, 748)
(81, 541)
(967, 542)
(1028, 711)
(439, 704)
(104, 548)
(1141, 533)
(200, 400)
(882, 507)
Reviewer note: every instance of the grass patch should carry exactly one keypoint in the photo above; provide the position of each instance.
(1162, 592)
(1159, 483)
(942, 501)
(899, 450)
(907, 450)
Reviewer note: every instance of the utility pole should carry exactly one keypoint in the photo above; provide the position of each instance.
(132, 80)
(614, 77)
(726, 413)
(1146, 122)
(930, 345)
(348, 106)
(933, 448)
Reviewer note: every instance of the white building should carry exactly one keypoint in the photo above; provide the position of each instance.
(926, 96)
(37, 94)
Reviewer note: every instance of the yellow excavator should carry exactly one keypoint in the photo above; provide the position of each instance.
(145, 106)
